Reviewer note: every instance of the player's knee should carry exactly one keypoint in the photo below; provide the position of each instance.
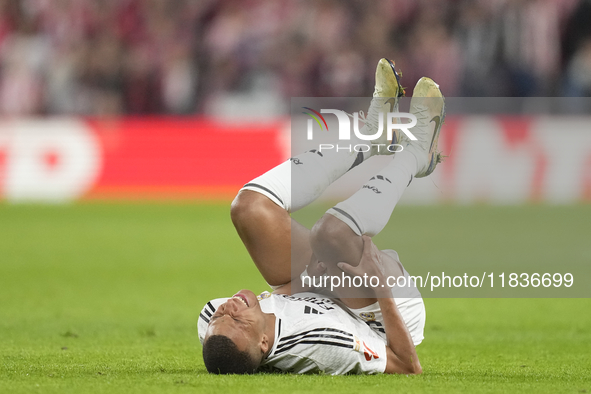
(237, 209)
(249, 207)
(326, 230)
(332, 239)
(243, 207)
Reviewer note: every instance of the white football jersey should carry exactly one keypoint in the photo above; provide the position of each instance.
(410, 305)
(314, 334)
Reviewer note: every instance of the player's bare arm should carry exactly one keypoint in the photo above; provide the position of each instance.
(402, 355)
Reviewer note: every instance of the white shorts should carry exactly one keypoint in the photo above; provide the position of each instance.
(411, 307)
(275, 184)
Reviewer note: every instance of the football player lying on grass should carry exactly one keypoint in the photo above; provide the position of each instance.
(302, 330)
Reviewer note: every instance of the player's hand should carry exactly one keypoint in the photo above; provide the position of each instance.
(371, 263)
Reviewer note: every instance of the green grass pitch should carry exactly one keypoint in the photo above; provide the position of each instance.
(104, 297)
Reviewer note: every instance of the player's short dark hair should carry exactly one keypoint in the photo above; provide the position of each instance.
(222, 356)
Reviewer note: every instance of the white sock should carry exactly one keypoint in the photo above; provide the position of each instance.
(300, 180)
(369, 209)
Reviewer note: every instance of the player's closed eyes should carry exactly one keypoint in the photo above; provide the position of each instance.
(214, 317)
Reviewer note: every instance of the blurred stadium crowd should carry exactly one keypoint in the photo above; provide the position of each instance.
(112, 57)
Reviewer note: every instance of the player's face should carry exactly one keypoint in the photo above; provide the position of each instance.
(240, 319)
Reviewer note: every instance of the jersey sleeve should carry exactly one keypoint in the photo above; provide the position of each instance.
(368, 356)
(206, 314)
(371, 354)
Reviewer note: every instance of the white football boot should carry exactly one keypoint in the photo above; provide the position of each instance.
(428, 105)
(385, 99)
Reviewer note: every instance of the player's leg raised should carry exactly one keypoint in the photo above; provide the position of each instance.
(278, 245)
(336, 237)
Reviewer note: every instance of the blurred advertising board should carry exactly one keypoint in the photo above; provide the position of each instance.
(132, 158)
(491, 159)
